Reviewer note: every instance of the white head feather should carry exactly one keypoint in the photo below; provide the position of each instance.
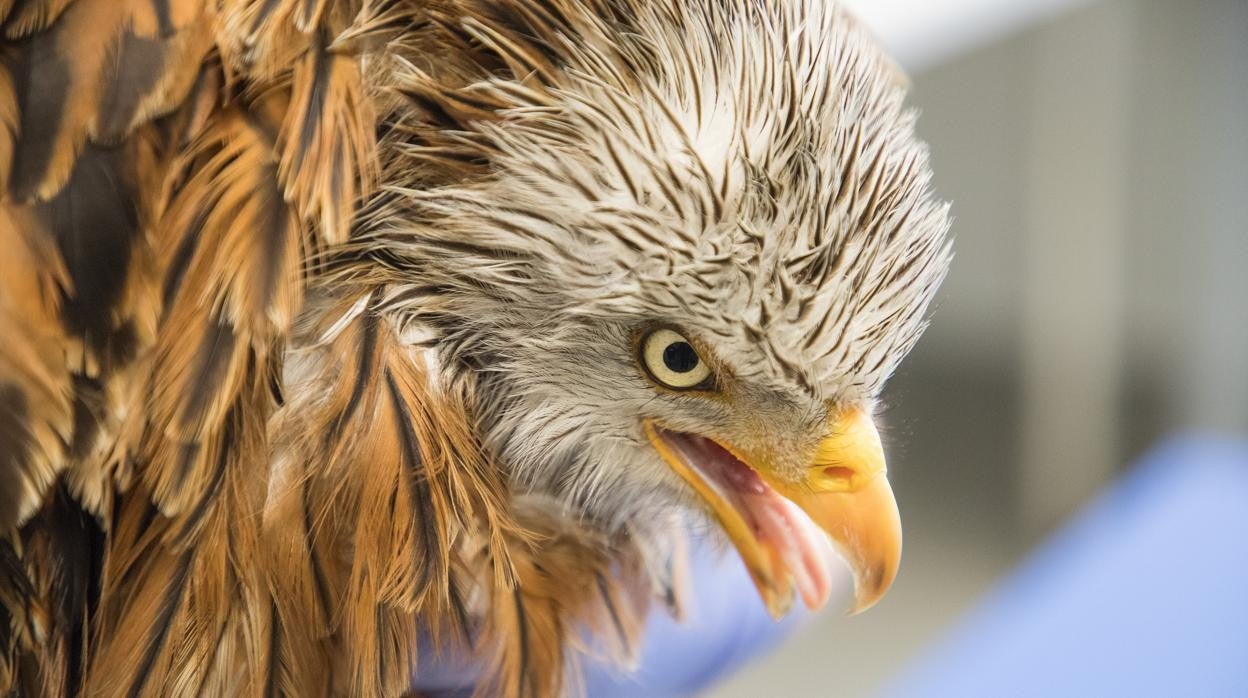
(743, 171)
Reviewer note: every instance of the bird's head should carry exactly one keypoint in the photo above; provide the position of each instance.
(680, 246)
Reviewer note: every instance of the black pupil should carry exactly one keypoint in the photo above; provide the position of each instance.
(679, 357)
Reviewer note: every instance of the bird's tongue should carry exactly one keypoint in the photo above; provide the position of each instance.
(778, 525)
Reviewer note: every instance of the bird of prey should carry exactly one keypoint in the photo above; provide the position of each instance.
(339, 335)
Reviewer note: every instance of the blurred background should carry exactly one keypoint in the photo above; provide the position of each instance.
(1096, 154)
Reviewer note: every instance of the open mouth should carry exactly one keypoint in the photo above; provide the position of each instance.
(792, 535)
(794, 551)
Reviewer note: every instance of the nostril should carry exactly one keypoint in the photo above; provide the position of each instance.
(838, 477)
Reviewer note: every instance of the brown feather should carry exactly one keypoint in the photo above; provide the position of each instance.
(35, 412)
(232, 248)
(378, 22)
(327, 142)
(261, 491)
(25, 17)
(183, 605)
(387, 493)
(565, 583)
(10, 119)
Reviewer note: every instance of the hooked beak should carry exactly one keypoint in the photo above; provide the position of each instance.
(785, 531)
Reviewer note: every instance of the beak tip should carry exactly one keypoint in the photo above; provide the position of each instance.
(872, 585)
(862, 604)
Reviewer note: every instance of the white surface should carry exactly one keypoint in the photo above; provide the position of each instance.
(920, 33)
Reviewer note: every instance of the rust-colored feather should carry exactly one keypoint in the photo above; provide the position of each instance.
(233, 252)
(223, 471)
(264, 38)
(99, 69)
(23, 17)
(10, 119)
(327, 142)
(182, 606)
(390, 491)
(567, 579)
(35, 389)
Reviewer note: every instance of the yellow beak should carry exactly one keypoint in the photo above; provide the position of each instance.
(844, 492)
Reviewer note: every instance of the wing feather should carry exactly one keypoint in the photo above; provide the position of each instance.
(567, 579)
(35, 411)
(236, 251)
(158, 251)
(326, 141)
(21, 18)
(222, 472)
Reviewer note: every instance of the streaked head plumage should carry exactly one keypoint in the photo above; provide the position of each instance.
(746, 176)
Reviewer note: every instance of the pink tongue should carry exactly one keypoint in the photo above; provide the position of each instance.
(805, 550)
(777, 523)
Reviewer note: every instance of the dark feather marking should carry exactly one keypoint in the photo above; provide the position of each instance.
(522, 624)
(94, 589)
(316, 99)
(418, 488)
(274, 224)
(468, 248)
(274, 379)
(13, 571)
(191, 522)
(306, 12)
(338, 173)
(364, 361)
(214, 358)
(150, 512)
(621, 169)
(271, 685)
(157, 635)
(14, 442)
(429, 556)
(120, 346)
(42, 81)
(187, 454)
(182, 256)
(73, 539)
(6, 632)
(461, 614)
(263, 14)
(139, 65)
(433, 110)
(94, 222)
(164, 19)
(318, 572)
(612, 610)
(88, 412)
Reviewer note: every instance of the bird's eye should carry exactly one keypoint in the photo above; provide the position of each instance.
(672, 361)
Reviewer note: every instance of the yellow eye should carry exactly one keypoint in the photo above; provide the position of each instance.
(672, 361)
